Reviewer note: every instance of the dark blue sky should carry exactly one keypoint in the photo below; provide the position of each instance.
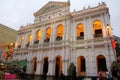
(14, 13)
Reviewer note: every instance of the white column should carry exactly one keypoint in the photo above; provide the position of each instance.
(29, 68)
(53, 32)
(65, 61)
(41, 62)
(41, 68)
(50, 67)
(42, 35)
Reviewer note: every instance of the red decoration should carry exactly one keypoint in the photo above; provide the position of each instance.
(113, 43)
(4, 55)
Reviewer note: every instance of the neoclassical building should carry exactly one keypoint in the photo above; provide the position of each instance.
(59, 37)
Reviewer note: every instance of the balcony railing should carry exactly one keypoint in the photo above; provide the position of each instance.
(58, 38)
(36, 42)
(47, 40)
(98, 35)
(19, 46)
(80, 37)
(27, 44)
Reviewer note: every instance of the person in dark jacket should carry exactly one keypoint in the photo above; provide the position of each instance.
(115, 73)
(74, 73)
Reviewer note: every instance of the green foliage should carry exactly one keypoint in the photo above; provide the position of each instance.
(1, 74)
(115, 64)
(70, 69)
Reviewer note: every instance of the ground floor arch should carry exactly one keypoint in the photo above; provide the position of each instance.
(101, 63)
(58, 66)
(34, 65)
(81, 66)
(45, 66)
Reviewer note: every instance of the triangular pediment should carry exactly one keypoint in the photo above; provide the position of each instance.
(52, 5)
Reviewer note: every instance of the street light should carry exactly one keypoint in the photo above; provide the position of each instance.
(112, 43)
(108, 27)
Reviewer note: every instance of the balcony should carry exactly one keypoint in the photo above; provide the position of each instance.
(19, 46)
(58, 38)
(27, 44)
(47, 40)
(36, 42)
(80, 38)
(98, 35)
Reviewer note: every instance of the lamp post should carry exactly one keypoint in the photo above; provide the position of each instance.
(108, 27)
(112, 42)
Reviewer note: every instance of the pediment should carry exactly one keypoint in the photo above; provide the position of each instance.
(52, 5)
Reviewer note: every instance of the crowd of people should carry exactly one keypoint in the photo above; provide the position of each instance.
(20, 72)
(114, 74)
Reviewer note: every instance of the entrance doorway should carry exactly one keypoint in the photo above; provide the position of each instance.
(45, 66)
(101, 63)
(58, 66)
(81, 66)
(34, 62)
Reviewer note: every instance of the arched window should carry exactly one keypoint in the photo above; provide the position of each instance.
(38, 36)
(80, 31)
(48, 34)
(60, 30)
(28, 40)
(97, 27)
(20, 41)
(81, 66)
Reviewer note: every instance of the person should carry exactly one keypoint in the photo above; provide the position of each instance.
(100, 77)
(74, 73)
(62, 76)
(109, 76)
(104, 75)
(115, 73)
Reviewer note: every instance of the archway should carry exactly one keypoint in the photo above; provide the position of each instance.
(20, 41)
(34, 65)
(81, 66)
(60, 29)
(38, 36)
(80, 31)
(101, 63)
(28, 40)
(97, 27)
(48, 34)
(45, 66)
(58, 66)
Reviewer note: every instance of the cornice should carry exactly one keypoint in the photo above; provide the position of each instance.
(101, 8)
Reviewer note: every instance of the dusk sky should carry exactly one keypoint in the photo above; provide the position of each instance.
(14, 13)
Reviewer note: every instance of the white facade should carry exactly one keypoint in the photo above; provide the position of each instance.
(68, 49)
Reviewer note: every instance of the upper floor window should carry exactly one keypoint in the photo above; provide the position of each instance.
(80, 31)
(28, 40)
(20, 41)
(38, 36)
(97, 27)
(48, 34)
(60, 29)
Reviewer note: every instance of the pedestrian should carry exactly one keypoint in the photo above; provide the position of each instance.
(74, 74)
(109, 76)
(62, 76)
(104, 75)
(115, 73)
(100, 75)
